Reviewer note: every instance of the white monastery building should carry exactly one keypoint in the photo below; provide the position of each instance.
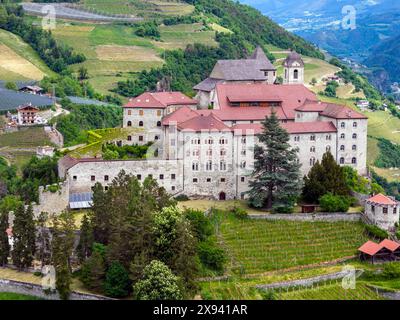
(205, 146)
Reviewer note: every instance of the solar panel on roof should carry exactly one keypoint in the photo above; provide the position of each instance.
(80, 200)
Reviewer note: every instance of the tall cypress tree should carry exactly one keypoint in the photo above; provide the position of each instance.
(276, 179)
(24, 237)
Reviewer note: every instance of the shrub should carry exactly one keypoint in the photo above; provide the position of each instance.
(201, 225)
(53, 188)
(182, 197)
(376, 232)
(239, 212)
(117, 282)
(391, 270)
(267, 295)
(282, 209)
(211, 256)
(332, 203)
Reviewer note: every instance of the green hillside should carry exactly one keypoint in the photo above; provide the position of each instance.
(18, 61)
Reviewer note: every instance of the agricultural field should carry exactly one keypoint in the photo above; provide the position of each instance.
(179, 36)
(240, 288)
(383, 124)
(329, 291)
(114, 53)
(18, 60)
(19, 147)
(256, 246)
(25, 138)
(147, 9)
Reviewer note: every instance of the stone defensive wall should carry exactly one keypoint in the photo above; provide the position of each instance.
(36, 290)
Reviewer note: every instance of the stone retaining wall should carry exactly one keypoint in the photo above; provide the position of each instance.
(328, 217)
(391, 295)
(37, 291)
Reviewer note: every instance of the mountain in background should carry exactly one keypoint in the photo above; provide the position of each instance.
(374, 42)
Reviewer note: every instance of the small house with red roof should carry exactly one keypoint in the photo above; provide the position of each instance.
(383, 211)
(374, 252)
(393, 246)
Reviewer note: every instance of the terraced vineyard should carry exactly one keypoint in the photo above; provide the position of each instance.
(256, 246)
(333, 291)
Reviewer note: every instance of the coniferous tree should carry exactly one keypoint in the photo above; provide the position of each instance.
(43, 252)
(93, 271)
(325, 177)
(276, 177)
(24, 234)
(86, 240)
(62, 244)
(4, 244)
(101, 214)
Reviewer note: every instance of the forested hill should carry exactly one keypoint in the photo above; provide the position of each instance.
(186, 68)
(253, 26)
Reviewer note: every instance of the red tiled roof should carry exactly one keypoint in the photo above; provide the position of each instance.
(159, 100)
(309, 127)
(257, 97)
(245, 113)
(370, 248)
(390, 245)
(292, 96)
(341, 112)
(312, 106)
(291, 127)
(382, 199)
(68, 162)
(247, 129)
(180, 115)
(204, 122)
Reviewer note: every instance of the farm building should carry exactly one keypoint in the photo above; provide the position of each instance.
(387, 250)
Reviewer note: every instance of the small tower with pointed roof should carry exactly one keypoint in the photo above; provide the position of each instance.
(293, 68)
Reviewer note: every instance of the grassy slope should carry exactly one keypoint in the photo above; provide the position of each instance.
(149, 8)
(19, 147)
(16, 296)
(25, 53)
(144, 53)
